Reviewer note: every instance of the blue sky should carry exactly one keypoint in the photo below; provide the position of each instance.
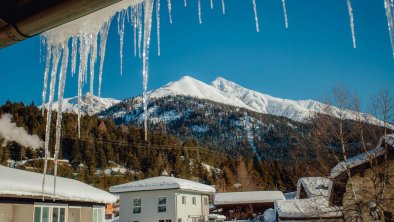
(302, 62)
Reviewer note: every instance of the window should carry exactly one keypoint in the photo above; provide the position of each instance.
(58, 214)
(184, 200)
(194, 200)
(137, 206)
(194, 220)
(45, 213)
(168, 220)
(179, 219)
(162, 207)
(205, 201)
(98, 215)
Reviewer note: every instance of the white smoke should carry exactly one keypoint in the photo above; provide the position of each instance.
(9, 131)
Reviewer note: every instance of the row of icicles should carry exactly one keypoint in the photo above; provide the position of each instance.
(90, 47)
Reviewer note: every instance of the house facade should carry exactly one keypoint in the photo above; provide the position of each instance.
(22, 200)
(163, 199)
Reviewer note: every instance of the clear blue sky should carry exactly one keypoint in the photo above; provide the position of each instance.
(302, 62)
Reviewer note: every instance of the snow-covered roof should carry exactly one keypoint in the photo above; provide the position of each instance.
(315, 186)
(163, 183)
(247, 197)
(363, 157)
(316, 207)
(216, 217)
(25, 184)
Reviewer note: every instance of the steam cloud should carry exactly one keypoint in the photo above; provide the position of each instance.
(9, 131)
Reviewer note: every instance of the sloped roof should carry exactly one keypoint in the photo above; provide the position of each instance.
(162, 183)
(316, 207)
(247, 197)
(363, 157)
(315, 186)
(24, 184)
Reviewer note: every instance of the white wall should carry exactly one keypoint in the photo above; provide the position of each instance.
(149, 204)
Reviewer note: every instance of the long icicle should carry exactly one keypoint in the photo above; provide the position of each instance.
(256, 18)
(185, 3)
(134, 15)
(389, 6)
(139, 20)
(169, 10)
(199, 12)
(60, 94)
(351, 17)
(158, 25)
(211, 4)
(122, 16)
(93, 59)
(285, 13)
(145, 59)
(103, 43)
(55, 62)
(45, 85)
(83, 55)
(74, 50)
(223, 7)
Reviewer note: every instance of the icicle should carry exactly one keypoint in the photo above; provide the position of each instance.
(389, 6)
(74, 54)
(62, 84)
(169, 10)
(255, 15)
(223, 7)
(83, 60)
(185, 3)
(285, 13)
(145, 59)
(158, 25)
(121, 20)
(134, 14)
(45, 85)
(139, 19)
(55, 62)
(93, 59)
(211, 4)
(103, 42)
(199, 12)
(350, 9)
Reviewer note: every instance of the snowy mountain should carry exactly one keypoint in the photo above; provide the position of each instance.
(91, 104)
(229, 93)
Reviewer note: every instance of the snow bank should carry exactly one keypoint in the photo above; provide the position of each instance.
(162, 183)
(25, 184)
(247, 197)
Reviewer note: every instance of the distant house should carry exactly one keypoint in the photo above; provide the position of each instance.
(163, 199)
(372, 182)
(311, 202)
(245, 205)
(21, 199)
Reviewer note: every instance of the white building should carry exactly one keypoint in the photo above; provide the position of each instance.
(21, 199)
(163, 199)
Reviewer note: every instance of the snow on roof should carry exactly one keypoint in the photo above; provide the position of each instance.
(162, 183)
(216, 217)
(363, 157)
(315, 186)
(316, 207)
(25, 184)
(247, 197)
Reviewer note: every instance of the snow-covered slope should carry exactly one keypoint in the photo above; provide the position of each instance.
(230, 93)
(90, 104)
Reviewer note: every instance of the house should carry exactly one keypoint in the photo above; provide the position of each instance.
(311, 202)
(22, 200)
(163, 199)
(245, 205)
(369, 191)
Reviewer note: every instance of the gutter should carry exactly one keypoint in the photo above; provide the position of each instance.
(41, 18)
